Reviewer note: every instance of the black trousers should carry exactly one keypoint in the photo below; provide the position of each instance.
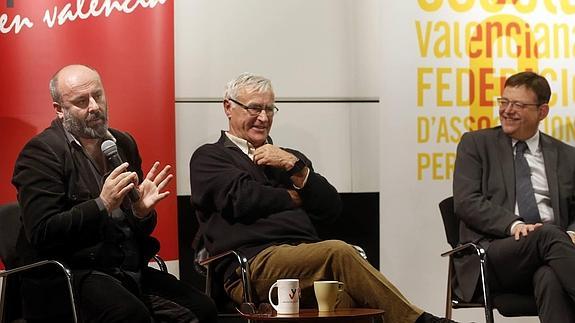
(542, 264)
(104, 298)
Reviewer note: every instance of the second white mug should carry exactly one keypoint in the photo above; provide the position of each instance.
(326, 292)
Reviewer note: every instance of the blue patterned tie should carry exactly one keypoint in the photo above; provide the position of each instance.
(523, 187)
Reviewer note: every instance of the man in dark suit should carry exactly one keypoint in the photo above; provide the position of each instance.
(526, 223)
(75, 210)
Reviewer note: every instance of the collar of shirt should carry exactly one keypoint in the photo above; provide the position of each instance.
(72, 139)
(245, 146)
(532, 143)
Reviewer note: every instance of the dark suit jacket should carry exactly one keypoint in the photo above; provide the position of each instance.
(484, 192)
(61, 219)
(57, 192)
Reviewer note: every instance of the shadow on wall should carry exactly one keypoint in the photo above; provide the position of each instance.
(15, 134)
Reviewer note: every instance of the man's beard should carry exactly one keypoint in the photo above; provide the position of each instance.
(79, 127)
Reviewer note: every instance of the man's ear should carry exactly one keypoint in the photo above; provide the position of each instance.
(228, 108)
(543, 111)
(59, 110)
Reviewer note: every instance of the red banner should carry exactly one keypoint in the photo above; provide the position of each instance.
(130, 43)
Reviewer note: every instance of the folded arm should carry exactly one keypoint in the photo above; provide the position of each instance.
(225, 184)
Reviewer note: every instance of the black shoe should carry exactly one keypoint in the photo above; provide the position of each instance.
(430, 318)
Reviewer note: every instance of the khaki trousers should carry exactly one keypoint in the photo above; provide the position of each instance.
(364, 286)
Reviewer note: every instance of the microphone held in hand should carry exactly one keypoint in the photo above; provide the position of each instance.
(110, 150)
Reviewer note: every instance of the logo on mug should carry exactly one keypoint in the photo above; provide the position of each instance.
(288, 296)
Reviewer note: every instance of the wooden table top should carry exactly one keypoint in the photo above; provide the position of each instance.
(342, 314)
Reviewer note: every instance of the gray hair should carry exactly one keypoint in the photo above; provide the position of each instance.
(247, 82)
(56, 97)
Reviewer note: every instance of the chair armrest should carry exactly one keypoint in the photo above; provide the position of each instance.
(161, 263)
(244, 270)
(469, 247)
(61, 266)
(206, 261)
(37, 264)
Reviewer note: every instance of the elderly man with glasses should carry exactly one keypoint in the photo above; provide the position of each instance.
(263, 200)
(514, 191)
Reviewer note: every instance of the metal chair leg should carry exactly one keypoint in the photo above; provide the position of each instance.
(485, 286)
(448, 305)
(71, 291)
(3, 298)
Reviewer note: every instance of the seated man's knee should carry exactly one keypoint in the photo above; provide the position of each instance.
(551, 232)
(340, 250)
(338, 246)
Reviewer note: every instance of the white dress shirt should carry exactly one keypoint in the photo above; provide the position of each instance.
(536, 163)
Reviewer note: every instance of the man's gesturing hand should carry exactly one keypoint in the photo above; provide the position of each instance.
(116, 186)
(151, 189)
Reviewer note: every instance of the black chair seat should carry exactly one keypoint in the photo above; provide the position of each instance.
(455, 304)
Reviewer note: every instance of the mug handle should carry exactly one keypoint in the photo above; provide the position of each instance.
(275, 306)
(340, 286)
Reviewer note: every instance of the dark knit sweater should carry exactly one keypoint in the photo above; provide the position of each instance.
(246, 207)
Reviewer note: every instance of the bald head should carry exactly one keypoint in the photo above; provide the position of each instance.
(71, 71)
(79, 99)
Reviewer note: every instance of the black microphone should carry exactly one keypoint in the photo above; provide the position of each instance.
(110, 150)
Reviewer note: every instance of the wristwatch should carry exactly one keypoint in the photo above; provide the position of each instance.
(297, 167)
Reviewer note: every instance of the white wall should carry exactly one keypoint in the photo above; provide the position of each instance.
(309, 49)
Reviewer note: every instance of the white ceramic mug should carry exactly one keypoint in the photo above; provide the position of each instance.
(288, 296)
(326, 292)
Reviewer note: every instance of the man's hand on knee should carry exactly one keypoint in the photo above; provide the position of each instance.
(523, 229)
